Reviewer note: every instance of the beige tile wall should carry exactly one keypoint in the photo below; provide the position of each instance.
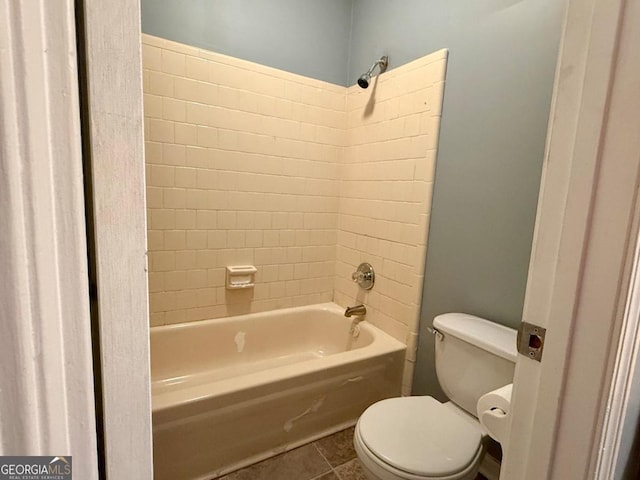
(385, 194)
(304, 179)
(242, 162)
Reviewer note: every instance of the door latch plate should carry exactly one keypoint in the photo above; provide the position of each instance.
(531, 340)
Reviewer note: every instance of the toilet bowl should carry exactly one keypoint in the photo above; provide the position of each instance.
(420, 438)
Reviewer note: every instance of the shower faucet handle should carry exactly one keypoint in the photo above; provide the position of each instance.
(364, 276)
(360, 277)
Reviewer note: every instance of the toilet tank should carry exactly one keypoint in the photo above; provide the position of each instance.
(473, 356)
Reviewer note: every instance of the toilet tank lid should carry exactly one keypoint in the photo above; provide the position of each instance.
(484, 334)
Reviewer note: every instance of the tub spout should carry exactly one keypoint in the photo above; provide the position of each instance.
(357, 310)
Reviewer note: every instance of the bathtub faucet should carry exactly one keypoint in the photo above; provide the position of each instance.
(357, 310)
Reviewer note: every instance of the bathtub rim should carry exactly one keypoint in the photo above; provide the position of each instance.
(325, 306)
(381, 345)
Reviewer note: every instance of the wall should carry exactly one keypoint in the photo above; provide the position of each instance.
(242, 162)
(499, 82)
(306, 37)
(385, 194)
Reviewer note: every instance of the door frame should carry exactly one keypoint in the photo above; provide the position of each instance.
(111, 73)
(46, 375)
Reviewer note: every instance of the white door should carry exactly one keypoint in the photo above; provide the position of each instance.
(584, 245)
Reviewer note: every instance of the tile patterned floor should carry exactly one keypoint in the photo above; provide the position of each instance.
(330, 458)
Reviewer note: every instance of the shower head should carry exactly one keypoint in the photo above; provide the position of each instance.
(365, 78)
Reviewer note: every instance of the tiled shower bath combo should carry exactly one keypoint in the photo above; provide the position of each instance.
(249, 165)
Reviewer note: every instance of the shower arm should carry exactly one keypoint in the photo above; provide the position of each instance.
(383, 63)
(365, 78)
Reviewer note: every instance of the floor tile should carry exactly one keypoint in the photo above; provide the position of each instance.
(327, 476)
(309, 462)
(304, 463)
(351, 471)
(337, 448)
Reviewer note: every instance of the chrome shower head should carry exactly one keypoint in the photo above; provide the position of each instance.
(365, 78)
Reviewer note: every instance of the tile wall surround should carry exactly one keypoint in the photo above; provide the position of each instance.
(247, 164)
(385, 194)
(242, 162)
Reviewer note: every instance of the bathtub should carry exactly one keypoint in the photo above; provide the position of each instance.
(232, 391)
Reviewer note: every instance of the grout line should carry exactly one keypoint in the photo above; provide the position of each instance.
(322, 454)
(342, 464)
(323, 474)
(325, 459)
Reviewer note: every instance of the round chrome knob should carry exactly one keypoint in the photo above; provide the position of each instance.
(364, 276)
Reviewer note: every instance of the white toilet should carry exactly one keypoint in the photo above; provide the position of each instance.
(419, 438)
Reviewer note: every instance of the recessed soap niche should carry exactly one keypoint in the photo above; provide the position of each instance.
(241, 277)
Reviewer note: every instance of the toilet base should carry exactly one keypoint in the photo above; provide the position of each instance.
(490, 467)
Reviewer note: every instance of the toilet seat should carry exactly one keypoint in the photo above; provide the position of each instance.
(419, 438)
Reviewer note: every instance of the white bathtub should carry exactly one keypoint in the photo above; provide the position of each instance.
(233, 391)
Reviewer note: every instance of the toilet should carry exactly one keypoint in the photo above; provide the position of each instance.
(420, 438)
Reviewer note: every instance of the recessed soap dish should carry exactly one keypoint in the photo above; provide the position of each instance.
(241, 276)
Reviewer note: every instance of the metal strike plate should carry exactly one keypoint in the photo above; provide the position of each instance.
(531, 340)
